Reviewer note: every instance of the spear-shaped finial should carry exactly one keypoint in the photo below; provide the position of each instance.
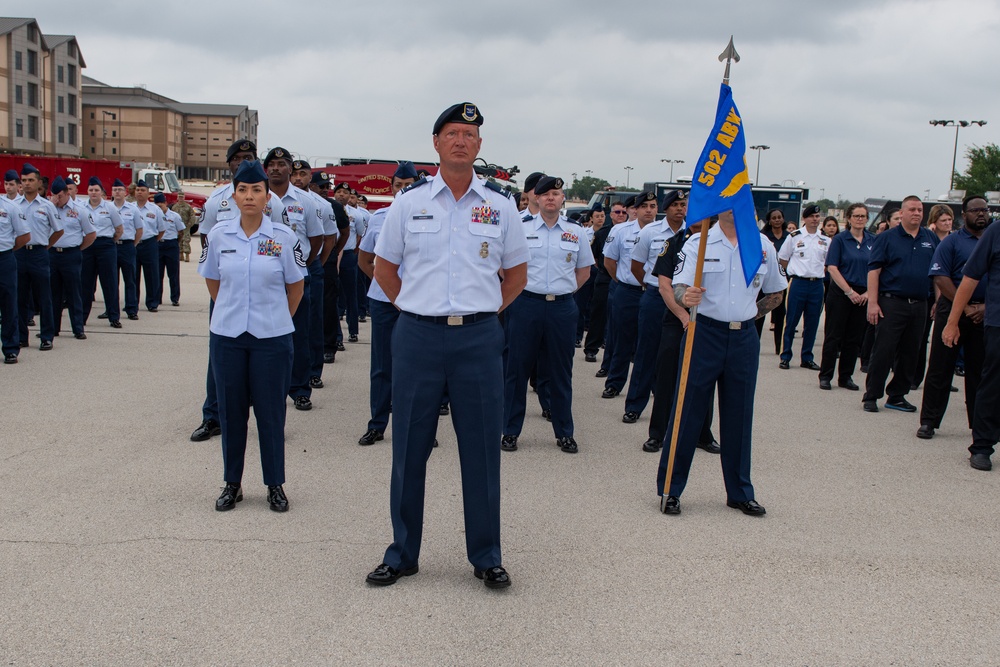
(729, 55)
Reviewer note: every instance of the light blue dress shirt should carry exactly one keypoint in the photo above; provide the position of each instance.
(555, 255)
(76, 224)
(220, 207)
(652, 238)
(300, 213)
(175, 225)
(368, 242)
(152, 218)
(12, 223)
(618, 247)
(105, 218)
(43, 219)
(131, 220)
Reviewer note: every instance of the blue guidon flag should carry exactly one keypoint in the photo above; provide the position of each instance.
(722, 182)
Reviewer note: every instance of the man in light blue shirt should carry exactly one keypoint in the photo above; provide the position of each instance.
(125, 248)
(147, 254)
(100, 259)
(33, 281)
(170, 251)
(66, 257)
(14, 234)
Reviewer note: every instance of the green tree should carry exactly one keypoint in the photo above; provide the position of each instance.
(585, 188)
(824, 205)
(983, 173)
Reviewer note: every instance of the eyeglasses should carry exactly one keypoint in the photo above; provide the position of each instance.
(617, 212)
(976, 210)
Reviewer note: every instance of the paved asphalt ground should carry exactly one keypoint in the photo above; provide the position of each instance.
(877, 549)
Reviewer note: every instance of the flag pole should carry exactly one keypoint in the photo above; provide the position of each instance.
(729, 55)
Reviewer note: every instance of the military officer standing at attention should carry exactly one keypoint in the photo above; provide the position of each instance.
(66, 259)
(170, 254)
(132, 228)
(100, 260)
(804, 259)
(183, 209)
(542, 319)
(221, 207)
(443, 244)
(14, 234)
(726, 353)
(348, 298)
(301, 213)
(147, 253)
(531, 209)
(652, 239)
(33, 283)
(332, 335)
(360, 228)
(384, 316)
(253, 269)
(12, 185)
(628, 293)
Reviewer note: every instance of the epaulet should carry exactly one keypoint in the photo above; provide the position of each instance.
(415, 184)
(496, 188)
(795, 233)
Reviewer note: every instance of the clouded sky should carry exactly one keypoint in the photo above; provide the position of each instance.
(841, 91)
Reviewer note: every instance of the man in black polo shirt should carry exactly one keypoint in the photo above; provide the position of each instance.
(985, 259)
(897, 273)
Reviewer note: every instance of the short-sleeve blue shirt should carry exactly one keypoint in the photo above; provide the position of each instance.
(221, 207)
(76, 224)
(904, 260)
(131, 220)
(984, 263)
(105, 218)
(368, 242)
(620, 243)
(152, 218)
(951, 256)
(555, 254)
(851, 256)
(12, 223)
(43, 219)
(175, 225)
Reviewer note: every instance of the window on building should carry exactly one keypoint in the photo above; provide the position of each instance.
(32, 33)
(215, 122)
(93, 150)
(114, 151)
(17, 60)
(92, 133)
(33, 62)
(33, 95)
(62, 134)
(114, 133)
(59, 73)
(71, 128)
(33, 128)
(61, 104)
(19, 128)
(71, 74)
(71, 48)
(19, 94)
(71, 104)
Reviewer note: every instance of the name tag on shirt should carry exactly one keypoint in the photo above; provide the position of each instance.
(423, 217)
(227, 250)
(712, 259)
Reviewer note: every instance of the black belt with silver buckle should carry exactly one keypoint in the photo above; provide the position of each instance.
(546, 297)
(450, 320)
(76, 247)
(804, 278)
(731, 326)
(901, 298)
(36, 246)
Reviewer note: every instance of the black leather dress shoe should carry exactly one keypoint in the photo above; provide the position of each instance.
(651, 445)
(206, 430)
(370, 437)
(494, 577)
(960, 371)
(45, 346)
(508, 443)
(329, 357)
(954, 389)
(567, 444)
(10, 358)
(353, 338)
(579, 343)
(231, 494)
(630, 417)
(925, 432)
(80, 336)
(175, 303)
(116, 324)
(340, 346)
(303, 403)
(383, 575)
(276, 499)
(316, 383)
(610, 392)
(153, 310)
(864, 368)
(748, 507)
(31, 322)
(901, 404)
(811, 365)
(590, 358)
(133, 316)
(712, 447)
(848, 384)
(869, 406)
(670, 504)
(102, 316)
(981, 462)
(825, 384)
(444, 410)
(547, 415)
(784, 365)
(601, 373)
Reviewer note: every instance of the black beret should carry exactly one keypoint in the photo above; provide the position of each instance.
(630, 202)
(812, 209)
(250, 171)
(672, 196)
(546, 183)
(299, 165)
(241, 146)
(342, 186)
(596, 207)
(277, 153)
(532, 180)
(159, 198)
(644, 197)
(320, 177)
(463, 112)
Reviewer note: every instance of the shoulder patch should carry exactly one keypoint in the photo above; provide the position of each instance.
(795, 233)
(496, 188)
(680, 263)
(415, 184)
(204, 255)
(300, 258)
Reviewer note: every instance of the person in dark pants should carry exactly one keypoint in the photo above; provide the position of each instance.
(101, 259)
(384, 316)
(609, 324)
(254, 271)
(599, 297)
(332, 336)
(147, 253)
(14, 234)
(776, 231)
(66, 258)
(169, 251)
(675, 322)
(726, 353)
(34, 290)
(846, 299)
(540, 320)
(125, 246)
(983, 263)
(897, 273)
(940, 220)
(804, 259)
(584, 295)
(448, 339)
(348, 298)
(949, 261)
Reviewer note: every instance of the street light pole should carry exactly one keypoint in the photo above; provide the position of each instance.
(958, 124)
(628, 173)
(758, 148)
(672, 163)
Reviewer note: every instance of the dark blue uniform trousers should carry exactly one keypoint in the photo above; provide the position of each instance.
(466, 361)
(609, 327)
(805, 298)
(126, 265)
(8, 303)
(210, 408)
(100, 259)
(537, 327)
(147, 267)
(384, 316)
(668, 364)
(625, 320)
(583, 297)
(34, 290)
(316, 278)
(257, 369)
(730, 358)
(170, 261)
(64, 277)
(986, 417)
(300, 340)
(349, 289)
(647, 347)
